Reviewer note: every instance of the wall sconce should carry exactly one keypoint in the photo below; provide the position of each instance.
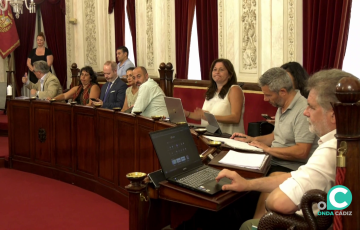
(73, 20)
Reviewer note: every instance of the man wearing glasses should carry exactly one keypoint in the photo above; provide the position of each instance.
(48, 85)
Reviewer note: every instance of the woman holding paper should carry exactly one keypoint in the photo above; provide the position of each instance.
(224, 99)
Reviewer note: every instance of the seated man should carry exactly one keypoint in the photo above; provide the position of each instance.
(291, 143)
(113, 91)
(150, 100)
(286, 190)
(48, 85)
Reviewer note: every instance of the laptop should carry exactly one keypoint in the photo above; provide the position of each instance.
(181, 163)
(176, 111)
(213, 128)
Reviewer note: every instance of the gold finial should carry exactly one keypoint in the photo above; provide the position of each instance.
(341, 159)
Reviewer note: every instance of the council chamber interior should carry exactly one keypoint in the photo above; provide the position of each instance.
(110, 153)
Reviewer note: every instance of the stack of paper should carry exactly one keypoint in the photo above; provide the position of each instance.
(22, 97)
(244, 160)
(235, 144)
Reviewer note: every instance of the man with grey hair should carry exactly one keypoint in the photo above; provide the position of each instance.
(150, 100)
(291, 143)
(286, 190)
(48, 85)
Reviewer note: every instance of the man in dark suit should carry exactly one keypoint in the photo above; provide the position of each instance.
(113, 92)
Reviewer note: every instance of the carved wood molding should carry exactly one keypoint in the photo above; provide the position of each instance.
(249, 45)
(69, 41)
(90, 33)
(220, 26)
(137, 31)
(291, 30)
(206, 83)
(168, 24)
(149, 34)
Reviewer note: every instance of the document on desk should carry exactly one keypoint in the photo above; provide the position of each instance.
(22, 97)
(244, 160)
(235, 144)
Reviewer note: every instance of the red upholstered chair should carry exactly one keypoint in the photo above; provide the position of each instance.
(255, 106)
(191, 97)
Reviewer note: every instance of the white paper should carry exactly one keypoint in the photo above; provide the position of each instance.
(22, 97)
(244, 160)
(235, 144)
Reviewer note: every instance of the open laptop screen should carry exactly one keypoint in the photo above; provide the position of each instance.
(175, 109)
(176, 150)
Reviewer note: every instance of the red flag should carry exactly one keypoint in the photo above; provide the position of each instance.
(9, 38)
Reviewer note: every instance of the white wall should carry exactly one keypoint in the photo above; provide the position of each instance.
(276, 37)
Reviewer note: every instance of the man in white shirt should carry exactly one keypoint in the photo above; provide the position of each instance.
(122, 54)
(48, 85)
(286, 190)
(150, 100)
(113, 92)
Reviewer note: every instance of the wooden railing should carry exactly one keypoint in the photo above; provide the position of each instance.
(165, 80)
(88, 147)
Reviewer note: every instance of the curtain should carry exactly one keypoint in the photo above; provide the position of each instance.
(130, 9)
(325, 33)
(207, 28)
(184, 15)
(54, 28)
(119, 16)
(25, 26)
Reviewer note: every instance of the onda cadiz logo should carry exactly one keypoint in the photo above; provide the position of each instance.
(338, 198)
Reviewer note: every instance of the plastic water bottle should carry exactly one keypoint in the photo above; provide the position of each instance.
(9, 90)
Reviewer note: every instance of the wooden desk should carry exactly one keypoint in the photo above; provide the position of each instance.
(95, 149)
(91, 148)
(172, 204)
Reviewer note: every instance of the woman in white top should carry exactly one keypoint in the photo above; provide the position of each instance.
(224, 98)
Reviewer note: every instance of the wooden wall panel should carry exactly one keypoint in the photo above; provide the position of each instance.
(145, 157)
(88, 147)
(125, 129)
(85, 140)
(105, 141)
(42, 132)
(20, 126)
(62, 136)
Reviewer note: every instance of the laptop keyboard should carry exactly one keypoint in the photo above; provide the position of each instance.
(199, 178)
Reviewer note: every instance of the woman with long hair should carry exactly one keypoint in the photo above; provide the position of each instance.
(40, 53)
(88, 88)
(224, 99)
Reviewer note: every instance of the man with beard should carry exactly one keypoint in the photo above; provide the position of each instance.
(150, 100)
(291, 144)
(287, 189)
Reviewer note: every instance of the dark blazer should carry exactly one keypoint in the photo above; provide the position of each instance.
(116, 96)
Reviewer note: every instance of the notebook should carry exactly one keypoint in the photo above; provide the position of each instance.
(235, 144)
(213, 128)
(181, 163)
(176, 111)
